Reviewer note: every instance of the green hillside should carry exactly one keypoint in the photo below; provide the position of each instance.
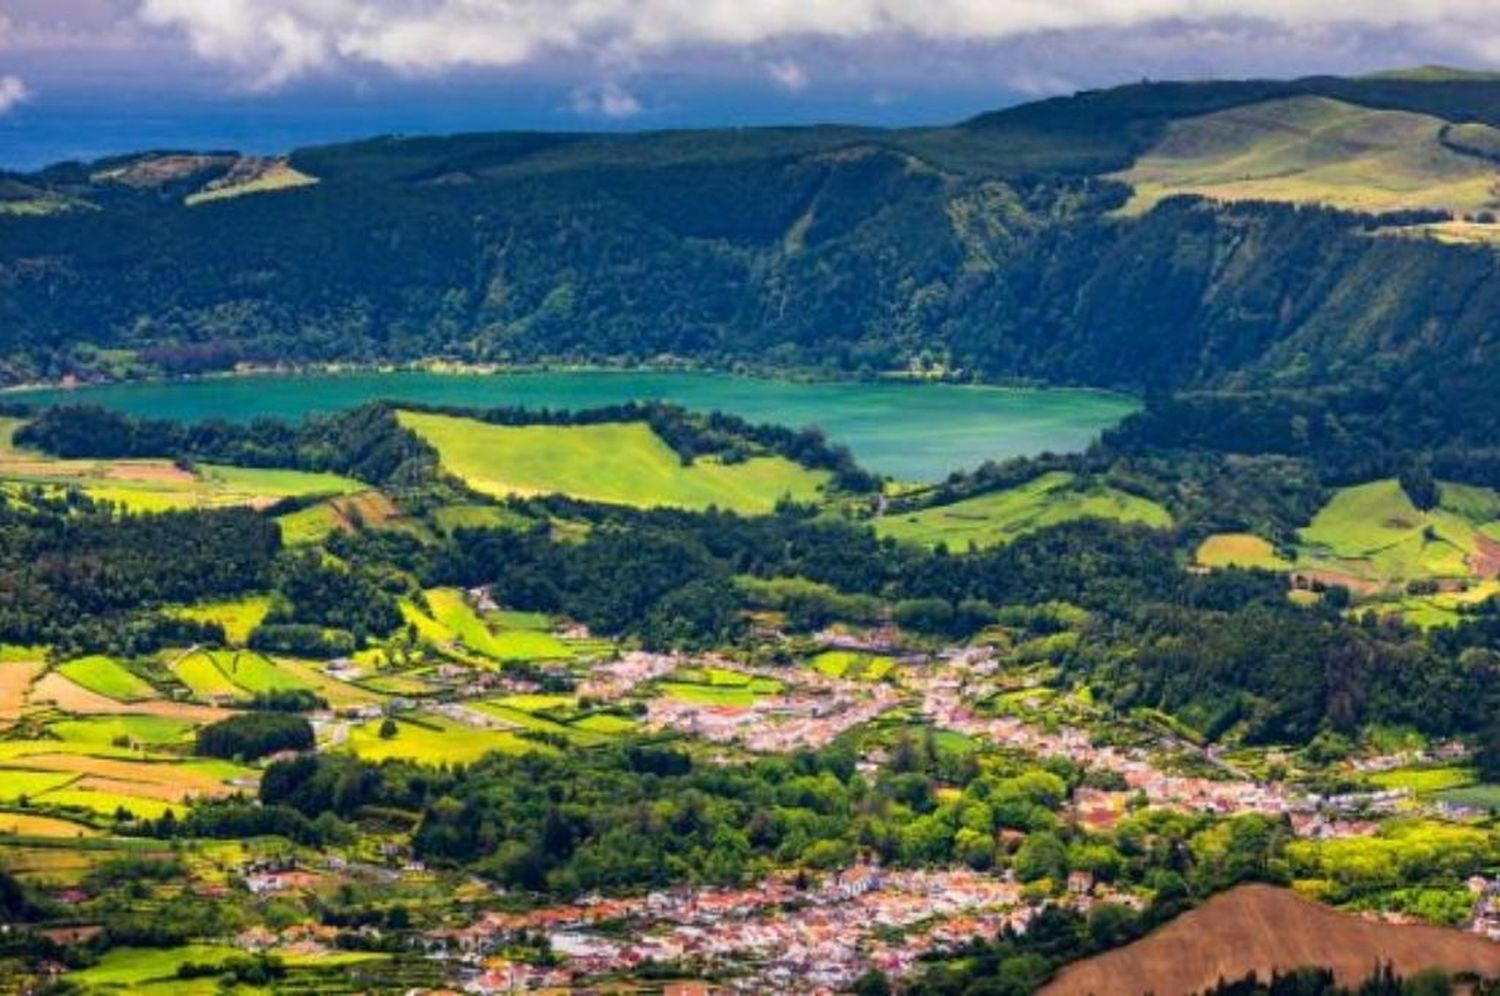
(997, 518)
(994, 248)
(1315, 150)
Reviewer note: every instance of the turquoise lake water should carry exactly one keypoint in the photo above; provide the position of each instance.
(907, 430)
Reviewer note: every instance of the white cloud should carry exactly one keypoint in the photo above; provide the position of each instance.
(13, 93)
(788, 74)
(609, 101)
(273, 41)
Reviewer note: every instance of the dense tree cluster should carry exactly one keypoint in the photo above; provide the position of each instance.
(78, 576)
(253, 735)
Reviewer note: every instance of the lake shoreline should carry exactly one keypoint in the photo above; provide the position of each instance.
(453, 368)
(914, 430)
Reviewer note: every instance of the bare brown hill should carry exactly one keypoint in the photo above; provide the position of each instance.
(1261, 928)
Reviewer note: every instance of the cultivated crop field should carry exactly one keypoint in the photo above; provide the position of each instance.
(160, 485)
(107, 677)
(1260, 928)
(1000, 517)
(619, 463)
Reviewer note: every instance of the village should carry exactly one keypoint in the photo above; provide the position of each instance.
(821, 931)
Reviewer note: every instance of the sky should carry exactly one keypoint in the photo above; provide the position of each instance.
(84, 78)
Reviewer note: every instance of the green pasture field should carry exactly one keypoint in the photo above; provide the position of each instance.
(107, 677)
(852, 665)
(159, 485)
(18, 783)
(397, 684)
(274, 482)
(16, 750)
(453, 618)
(1239, 550)
(1484, 796)
(539, 703)
(126, 968)
(605, 722)
(450, 518)
(1440, 609)
(238, 617)
(339, 694)
(1314, 150)
(308, 525)
(1000, 517)
(106, 804)
(258, 674)
(513, 619)
(1423, 780)
(153, 731)
(1373, 531)
(616, 463)
(436, 740)
(201, 673)
(738, 696)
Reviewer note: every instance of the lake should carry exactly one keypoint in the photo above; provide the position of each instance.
(911, 431)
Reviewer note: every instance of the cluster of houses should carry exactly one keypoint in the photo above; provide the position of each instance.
(776, 723)
(772, 937)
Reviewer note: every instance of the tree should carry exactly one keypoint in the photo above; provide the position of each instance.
(1041, 855)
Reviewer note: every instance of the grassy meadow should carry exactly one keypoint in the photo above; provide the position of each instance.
(616, 463)
(432, 739)
(1373, 531)
(1239, 550)
(1315, 150)
(999, 517)
(451, 620)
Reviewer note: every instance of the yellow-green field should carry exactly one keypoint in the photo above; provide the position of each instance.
(435, 740)
(160, 485)
(999, 517)
(275, 177)
(32, 825)
(236, 675)
(618, 463)
(452, 619)
(1315, 150)
(238, 617)
(1239, 550)
(342, 514)
(1373, 532)
(107, 677)
(144, 730)
(852, 665)
(451, 518)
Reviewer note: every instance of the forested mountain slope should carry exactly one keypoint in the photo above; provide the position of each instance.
(996, 248)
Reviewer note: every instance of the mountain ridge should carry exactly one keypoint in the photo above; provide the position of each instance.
(992, 249)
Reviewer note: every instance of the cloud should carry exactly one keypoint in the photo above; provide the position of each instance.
(609, 101)
(273, 41)
(788, 74)
(13, 93)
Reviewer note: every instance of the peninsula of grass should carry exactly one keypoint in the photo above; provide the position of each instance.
(622, 463)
